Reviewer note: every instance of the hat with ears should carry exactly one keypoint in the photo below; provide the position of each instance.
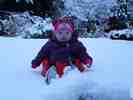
(63, 23)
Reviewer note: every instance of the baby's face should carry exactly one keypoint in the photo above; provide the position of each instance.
(63, 34)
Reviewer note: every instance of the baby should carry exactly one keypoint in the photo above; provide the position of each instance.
(63, 49)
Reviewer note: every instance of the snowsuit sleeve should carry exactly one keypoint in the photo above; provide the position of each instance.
(82, 52)
(43, 53)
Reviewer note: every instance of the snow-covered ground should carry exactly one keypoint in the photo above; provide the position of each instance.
(109, 79)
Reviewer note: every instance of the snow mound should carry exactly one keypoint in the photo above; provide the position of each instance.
(76, 86)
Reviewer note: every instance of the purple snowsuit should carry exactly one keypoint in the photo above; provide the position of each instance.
(56, 51)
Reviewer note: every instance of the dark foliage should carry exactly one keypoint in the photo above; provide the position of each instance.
(115, 23)
(40, 7)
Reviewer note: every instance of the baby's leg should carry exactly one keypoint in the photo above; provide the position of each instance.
(45, 67)
(60, 68)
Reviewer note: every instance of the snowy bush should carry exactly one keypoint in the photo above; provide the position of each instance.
(93, 12)
(114, 23)
(85, 8)
(43, 35)
(7, 23)
(24, 25)
(101, 12)
(29, 26)
(126, 34)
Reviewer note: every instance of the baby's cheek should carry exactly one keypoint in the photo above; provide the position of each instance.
(63, 36)
(58, 37)
(69, 36)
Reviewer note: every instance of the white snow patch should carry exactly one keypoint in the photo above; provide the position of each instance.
(110, 78)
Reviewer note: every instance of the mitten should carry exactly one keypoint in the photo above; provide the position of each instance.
(79, 65)
(34, 66)
(88, 62)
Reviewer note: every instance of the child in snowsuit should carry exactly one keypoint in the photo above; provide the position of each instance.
(62, 49)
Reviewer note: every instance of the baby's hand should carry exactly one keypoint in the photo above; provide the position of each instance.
(33, 66)
(87, 67)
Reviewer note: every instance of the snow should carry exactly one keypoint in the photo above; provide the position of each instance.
(109, 79)
(127, 32)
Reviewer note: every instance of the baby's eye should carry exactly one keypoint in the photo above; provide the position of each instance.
(60, 33)
(67, 33)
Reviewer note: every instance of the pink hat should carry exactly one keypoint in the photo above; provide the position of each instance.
(64, 23)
